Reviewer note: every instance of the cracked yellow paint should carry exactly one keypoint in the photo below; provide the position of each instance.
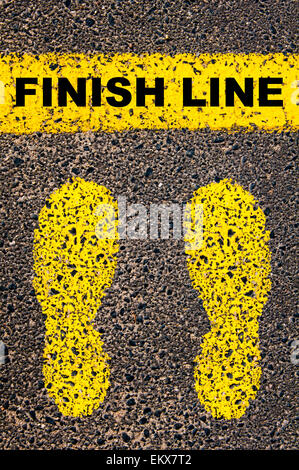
(231, 272)
(73, 267)
(54, 119)
(2, 93)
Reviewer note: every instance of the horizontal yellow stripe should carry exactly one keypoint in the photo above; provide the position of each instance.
(172, 114)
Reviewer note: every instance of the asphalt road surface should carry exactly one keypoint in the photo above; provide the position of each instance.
(151, 319)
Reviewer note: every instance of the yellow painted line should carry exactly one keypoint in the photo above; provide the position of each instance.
(231, 272)
(73, 267)
(102, 83)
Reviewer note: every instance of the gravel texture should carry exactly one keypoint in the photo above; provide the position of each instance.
(151, 319)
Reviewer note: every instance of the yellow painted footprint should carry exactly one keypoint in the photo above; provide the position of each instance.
(73, 266)
(230, 268)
